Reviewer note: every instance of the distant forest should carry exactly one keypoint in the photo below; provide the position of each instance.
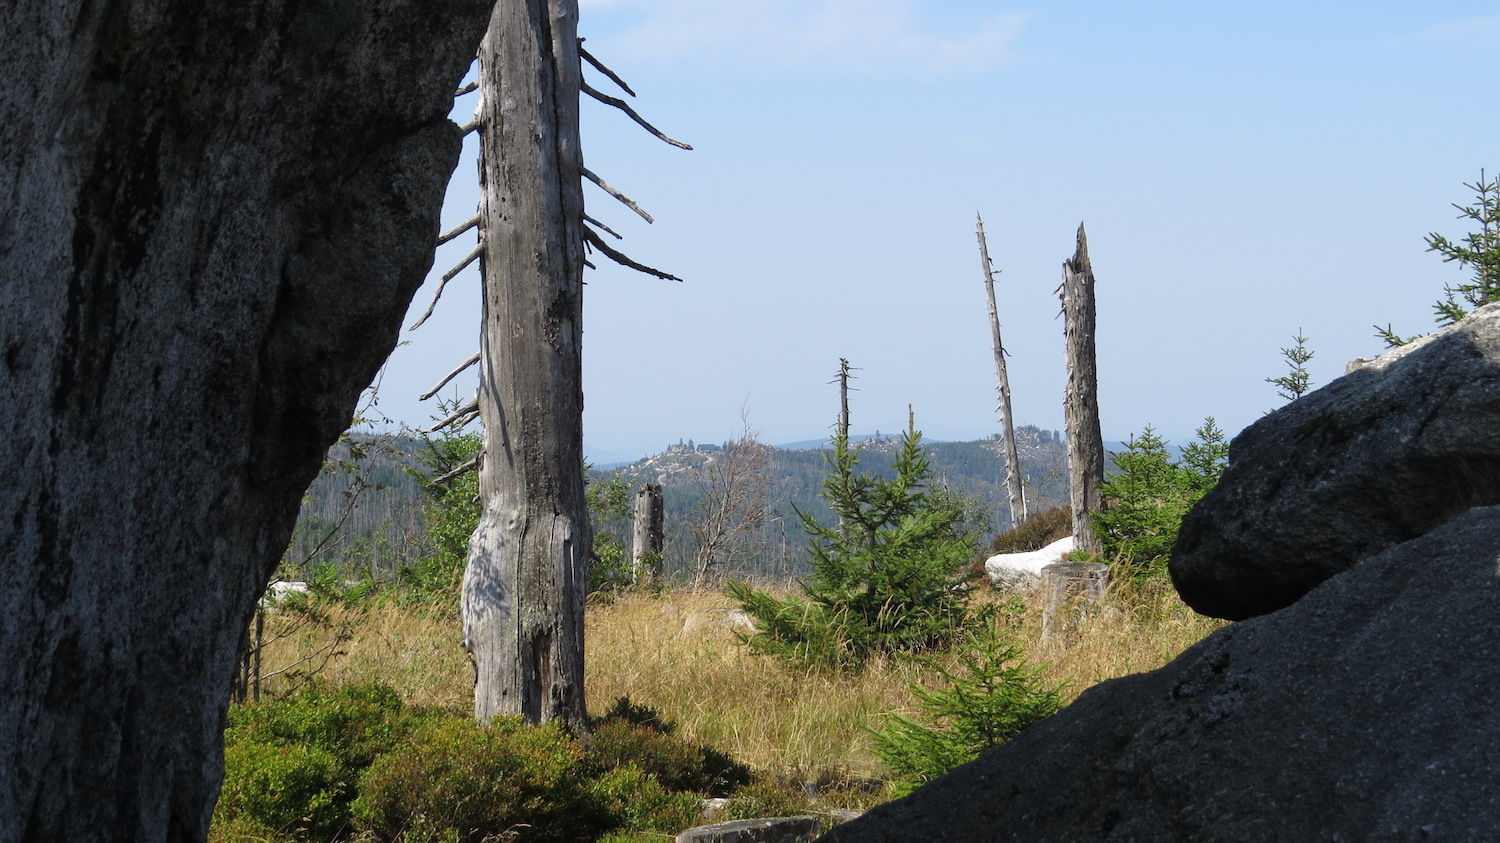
(363, 516)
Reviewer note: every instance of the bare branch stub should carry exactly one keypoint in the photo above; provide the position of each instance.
(467, 89)
(599, 66)
(631, 113)
(456, 230)
(597, 224)
(450, 376)
(623, 199)
(448, 276)
(592, 238)
(460, 416)
(467, 467)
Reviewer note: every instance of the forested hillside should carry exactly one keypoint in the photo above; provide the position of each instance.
(363, 516)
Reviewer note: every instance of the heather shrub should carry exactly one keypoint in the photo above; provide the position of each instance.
(1036, 531)
(633, 736)
(282, 790)
(291, 764)
(458, 780)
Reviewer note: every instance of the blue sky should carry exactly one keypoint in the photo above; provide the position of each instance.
(1243, 170)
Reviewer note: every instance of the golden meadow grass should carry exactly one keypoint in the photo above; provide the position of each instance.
(678, 653)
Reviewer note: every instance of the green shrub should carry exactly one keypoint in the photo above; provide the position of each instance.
(637, 802)
(460, 780)
(1036, 531)
(994, 697)
(282, 789)
(677, 764)
(768, 798)
(291, 764)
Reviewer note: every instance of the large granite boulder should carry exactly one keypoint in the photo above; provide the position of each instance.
(1365, 711)
(1377, 457)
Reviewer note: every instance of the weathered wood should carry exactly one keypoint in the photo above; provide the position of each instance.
(527, 573)
(1069, 590)
(1081, 401)
(648, 534)
(216, 215)
(1007, 423)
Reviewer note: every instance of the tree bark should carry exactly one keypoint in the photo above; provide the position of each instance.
(1007, 422)
(525, 583)
(1085, 442)
(216, 215)
(648, 534)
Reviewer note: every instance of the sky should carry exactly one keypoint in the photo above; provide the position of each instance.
(1244, 171)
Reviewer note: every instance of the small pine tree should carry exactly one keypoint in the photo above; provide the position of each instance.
(1479, 250)
(891, 576)
(1147, 496)
(988, 700)
(1296, 382)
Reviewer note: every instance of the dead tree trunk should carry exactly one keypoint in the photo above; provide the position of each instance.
(843, 380)
(216, 215)
(1007, 423)
(527, 575)
(1081, 402)
(648, 534)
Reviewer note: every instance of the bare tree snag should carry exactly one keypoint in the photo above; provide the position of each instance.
(1007, 422)
(843, 381)
(216, 216)
(1081, 401)
(527, 574)
(648, 534)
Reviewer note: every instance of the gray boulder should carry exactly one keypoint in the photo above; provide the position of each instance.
(1365, 711)
(1377, 457)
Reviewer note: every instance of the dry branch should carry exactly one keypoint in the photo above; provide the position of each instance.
(631, 113)
(447, 276)
(450, 376)
(467, 89)
(624, 200)
(449, 475)
(599, 66)
(459, 416)
(453, 232)
(598, 224)
(592, 237)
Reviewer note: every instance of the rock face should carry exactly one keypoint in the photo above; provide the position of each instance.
(1364, 711)
(1378, 457)
(216, 214)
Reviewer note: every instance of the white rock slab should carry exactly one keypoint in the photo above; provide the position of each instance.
(1023, 570)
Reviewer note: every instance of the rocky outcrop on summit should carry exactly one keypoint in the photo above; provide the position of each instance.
(1375, 458)
(1364, 711)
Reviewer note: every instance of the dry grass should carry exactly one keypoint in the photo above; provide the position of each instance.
(679, 654)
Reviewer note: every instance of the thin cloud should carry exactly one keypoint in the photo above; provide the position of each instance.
(874, 38)
(1471, 33)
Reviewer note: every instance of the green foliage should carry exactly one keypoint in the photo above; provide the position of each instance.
(891, 576)
(281, 789)
(620, 740)
(609, 504)
(1038, 530)
(1296, 381)
(291, 763)
(768, 798)
(459, 776)
(1478, 250)
(450, 513)
(318, 765)
(989, 701)
(1147, 496)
